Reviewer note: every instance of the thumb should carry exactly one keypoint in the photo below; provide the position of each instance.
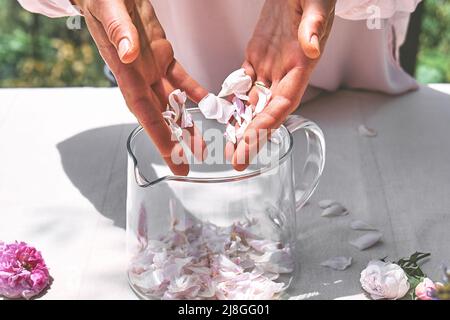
(121, 31)
(312, 29)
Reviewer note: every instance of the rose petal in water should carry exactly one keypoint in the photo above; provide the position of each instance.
(278, 261)
(337, 263)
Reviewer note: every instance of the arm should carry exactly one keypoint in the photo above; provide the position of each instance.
(286, 45)
(133, 44)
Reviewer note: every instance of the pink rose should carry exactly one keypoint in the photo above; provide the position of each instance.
(23, 272)
(425, 289)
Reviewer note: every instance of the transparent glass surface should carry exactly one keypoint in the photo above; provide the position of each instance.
(217, 233)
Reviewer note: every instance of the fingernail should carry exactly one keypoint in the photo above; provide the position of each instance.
(124, 47)
(315, 42)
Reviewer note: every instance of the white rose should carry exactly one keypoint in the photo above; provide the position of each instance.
(384, 280)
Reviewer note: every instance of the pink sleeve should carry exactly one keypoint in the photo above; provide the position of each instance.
(363, 9)
(50, 8)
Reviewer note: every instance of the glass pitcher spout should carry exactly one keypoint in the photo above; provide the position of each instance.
(315, 150)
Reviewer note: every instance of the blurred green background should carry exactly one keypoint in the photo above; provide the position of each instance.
(36, 51)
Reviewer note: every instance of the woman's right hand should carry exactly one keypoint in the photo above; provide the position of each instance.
(133, 44)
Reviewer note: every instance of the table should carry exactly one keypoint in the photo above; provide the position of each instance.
(63, 185)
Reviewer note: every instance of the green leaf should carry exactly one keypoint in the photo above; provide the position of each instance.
(410, 265)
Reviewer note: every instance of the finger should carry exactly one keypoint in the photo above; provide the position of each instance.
(162, 90)
(230, 148)
(286, 97)
(179, 78)
(313, 27)
(119, 28)
(154, 124)
(140, 99)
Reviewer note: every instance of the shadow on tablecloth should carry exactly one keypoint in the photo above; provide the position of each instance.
(95, 161)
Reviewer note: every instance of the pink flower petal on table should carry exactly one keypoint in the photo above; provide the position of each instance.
(366, 132)
(327, 203)
(335, 210)
(361, 225)
(366, 241)
(237, 83)
(337, 263)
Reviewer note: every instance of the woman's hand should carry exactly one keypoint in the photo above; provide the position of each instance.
(133, 44)
(287, 41)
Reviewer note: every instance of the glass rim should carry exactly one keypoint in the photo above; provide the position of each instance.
(237, 177)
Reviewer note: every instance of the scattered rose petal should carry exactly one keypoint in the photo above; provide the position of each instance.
(366, 241)
(361, 225)
(366, 132)
(237, 83)
(335, 210)
(337, 263)
(326, 203)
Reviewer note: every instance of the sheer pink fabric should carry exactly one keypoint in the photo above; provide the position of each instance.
(51, 8)
(210, 37)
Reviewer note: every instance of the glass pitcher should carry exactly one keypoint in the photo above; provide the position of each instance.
(218, 233)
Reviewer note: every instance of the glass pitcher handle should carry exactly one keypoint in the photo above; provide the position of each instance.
(315, 161)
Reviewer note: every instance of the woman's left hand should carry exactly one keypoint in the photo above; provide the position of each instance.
(287, 42)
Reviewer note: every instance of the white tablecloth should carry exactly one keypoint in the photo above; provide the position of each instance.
(63, 185)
